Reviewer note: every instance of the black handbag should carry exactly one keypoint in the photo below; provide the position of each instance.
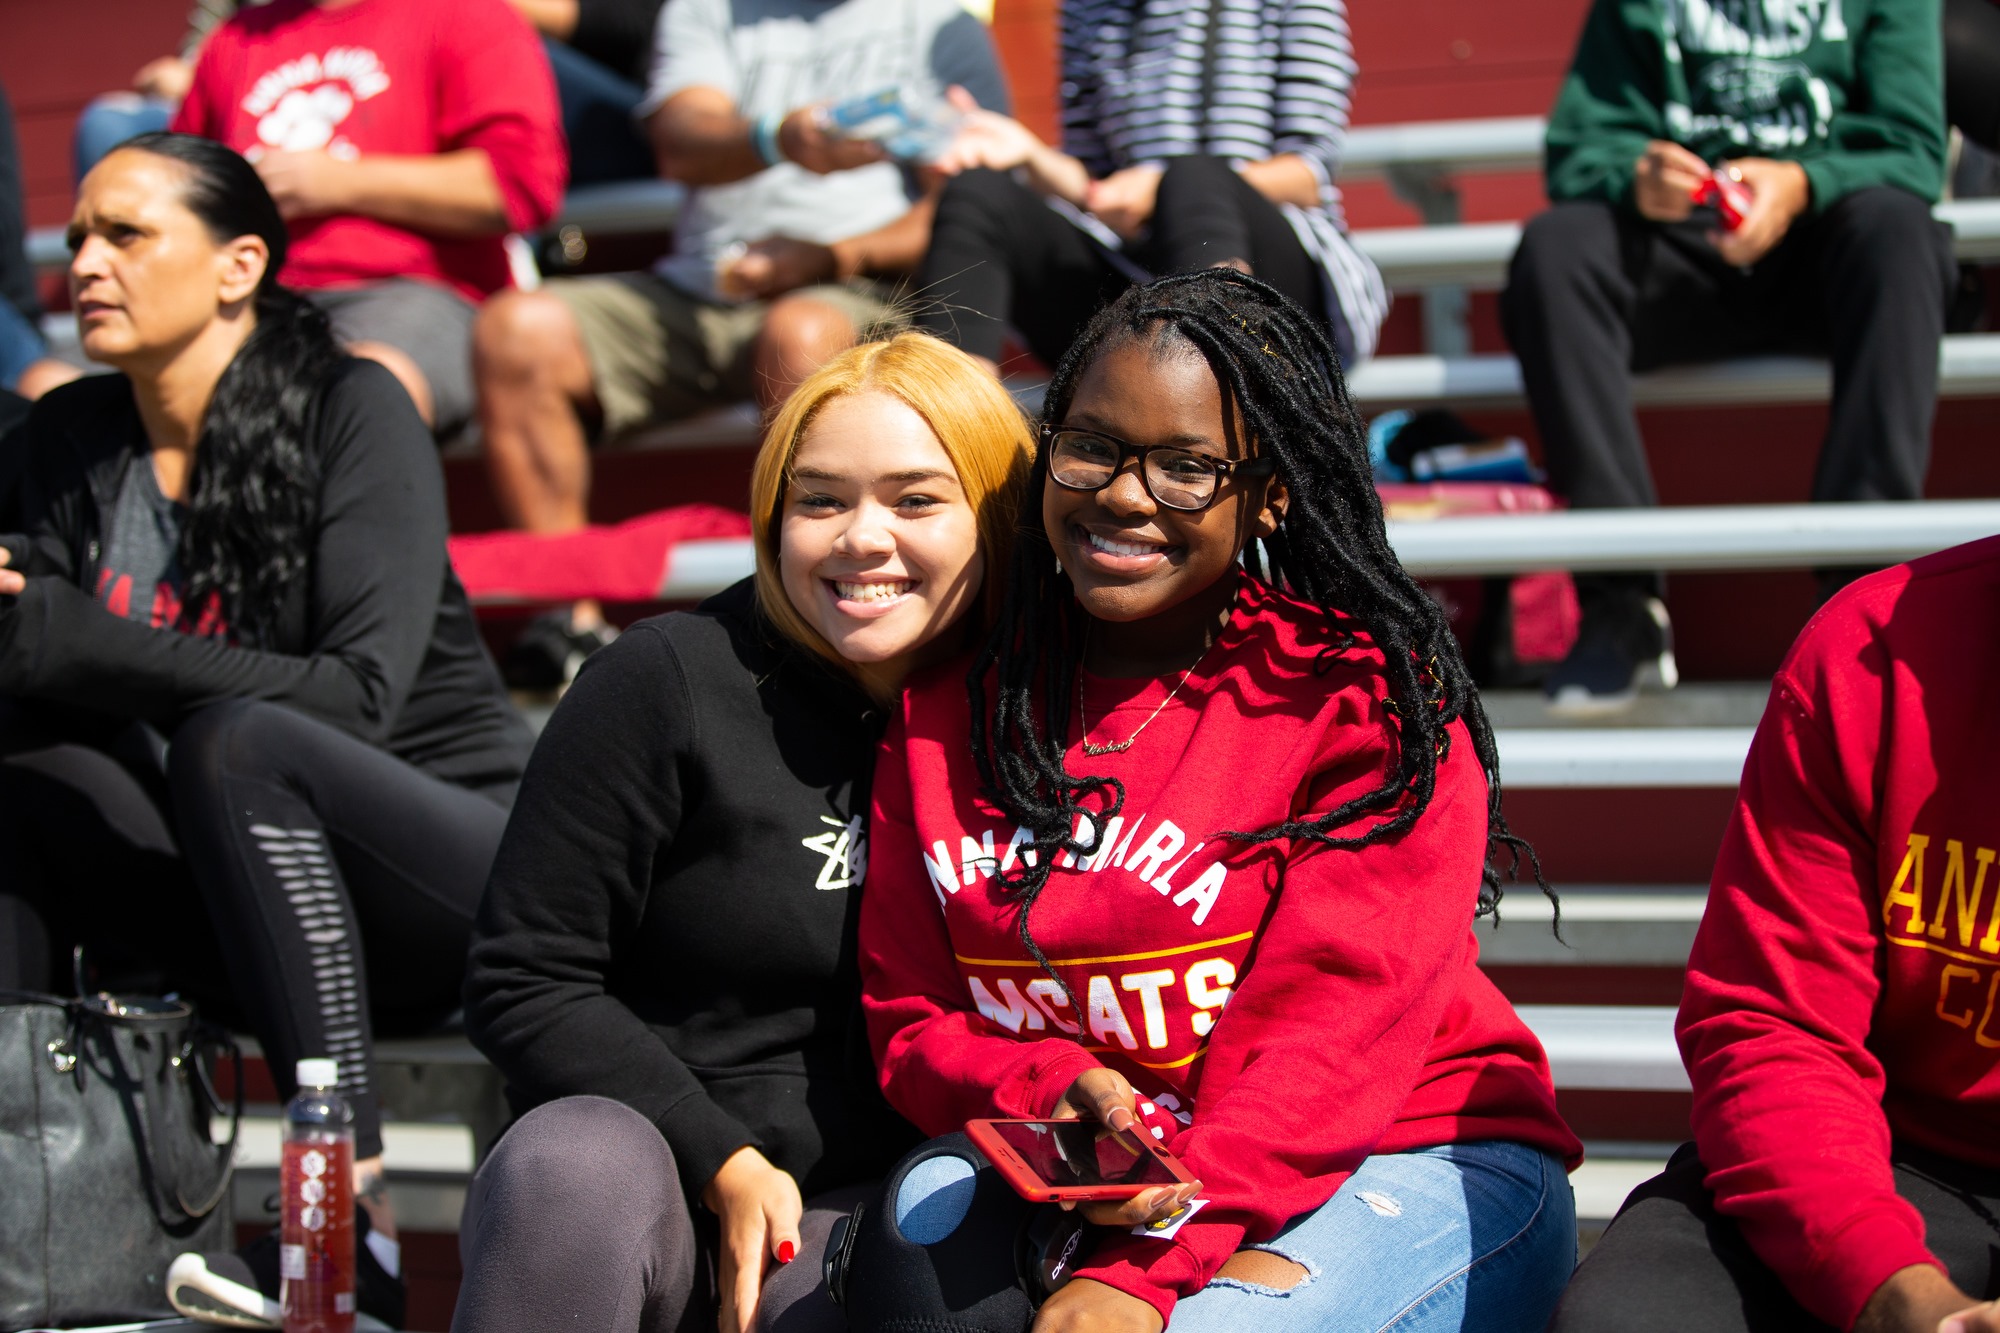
(999, 1261)
(107, 1167)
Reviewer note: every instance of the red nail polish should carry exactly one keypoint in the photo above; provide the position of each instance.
(786, 1251)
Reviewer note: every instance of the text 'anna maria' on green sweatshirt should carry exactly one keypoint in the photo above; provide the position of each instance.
(1852, 90)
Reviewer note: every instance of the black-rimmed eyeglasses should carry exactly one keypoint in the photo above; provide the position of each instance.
(1083, 460)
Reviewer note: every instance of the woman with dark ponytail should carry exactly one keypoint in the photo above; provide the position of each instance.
(1209, 867)
(247, 725)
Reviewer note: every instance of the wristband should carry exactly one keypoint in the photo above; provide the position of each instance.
(764, 138)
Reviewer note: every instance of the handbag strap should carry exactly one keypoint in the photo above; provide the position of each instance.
(207, 1035)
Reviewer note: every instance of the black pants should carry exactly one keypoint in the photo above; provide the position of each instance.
(1972, 69)
(287, 876)
(999, 255)
(1670, 1262)
(1596, 293)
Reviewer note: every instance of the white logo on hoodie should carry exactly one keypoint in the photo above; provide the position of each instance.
(845, 848)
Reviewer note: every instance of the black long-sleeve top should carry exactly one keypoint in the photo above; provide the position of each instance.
(670, 919)
(377, 638)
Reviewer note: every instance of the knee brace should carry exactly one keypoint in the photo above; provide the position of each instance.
(948, 1247)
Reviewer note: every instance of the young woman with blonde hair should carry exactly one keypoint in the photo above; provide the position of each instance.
(664, 965)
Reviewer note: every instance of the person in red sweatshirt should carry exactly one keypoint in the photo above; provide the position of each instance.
(402, 140)
(1839, 1020)
(1211, 860)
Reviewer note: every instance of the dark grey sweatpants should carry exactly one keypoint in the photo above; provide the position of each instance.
(577, 1220)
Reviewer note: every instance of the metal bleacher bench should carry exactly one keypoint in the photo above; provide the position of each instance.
(1476, 254)
(1717, 537)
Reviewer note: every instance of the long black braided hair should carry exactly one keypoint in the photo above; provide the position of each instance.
(1331, 550)
(253, 497)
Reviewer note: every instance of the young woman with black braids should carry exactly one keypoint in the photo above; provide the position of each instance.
(1211, 860)
(247, 725)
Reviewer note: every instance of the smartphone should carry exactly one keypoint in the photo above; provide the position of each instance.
(1730, 198)
(1062, 1161)
(908, 130)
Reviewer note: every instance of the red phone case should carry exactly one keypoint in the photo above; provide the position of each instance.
(1036, 1190)
(1729, 197)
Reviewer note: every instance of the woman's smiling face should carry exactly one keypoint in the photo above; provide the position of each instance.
(878, 547)
(1163, 576)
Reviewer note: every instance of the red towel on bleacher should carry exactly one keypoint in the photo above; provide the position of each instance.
(623, 562)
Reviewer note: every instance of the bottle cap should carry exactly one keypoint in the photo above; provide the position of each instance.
(318, 1073)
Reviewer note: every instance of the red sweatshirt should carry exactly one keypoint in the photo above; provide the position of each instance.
(411, 77)
(1842, 988)
(1356, 1018)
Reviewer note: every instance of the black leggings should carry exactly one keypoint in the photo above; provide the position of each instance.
(1670, 1261)
(1000, 255)
(287, 876)
(576, 1220)
(1972, 69)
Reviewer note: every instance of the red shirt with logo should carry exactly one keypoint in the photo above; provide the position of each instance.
(1298, 1006)
(1843, 988)
(402, 77)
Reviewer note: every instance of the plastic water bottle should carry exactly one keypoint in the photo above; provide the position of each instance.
(316, 1186)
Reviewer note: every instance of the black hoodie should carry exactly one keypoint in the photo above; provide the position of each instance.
(670, 921)
(377, 638)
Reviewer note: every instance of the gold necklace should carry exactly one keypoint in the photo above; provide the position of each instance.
(1119, 747)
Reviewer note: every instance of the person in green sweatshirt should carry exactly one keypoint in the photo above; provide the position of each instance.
(1824, 119)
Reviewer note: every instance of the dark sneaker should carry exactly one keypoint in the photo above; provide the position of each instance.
(550, 651)
(1623, 647)
(240, 1290)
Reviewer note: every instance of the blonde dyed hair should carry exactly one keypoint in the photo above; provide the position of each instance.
(982, 430)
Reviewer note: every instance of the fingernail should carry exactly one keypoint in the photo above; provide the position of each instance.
(786, 1251)
(1113, 1119)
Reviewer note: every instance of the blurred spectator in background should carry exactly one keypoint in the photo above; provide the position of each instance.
(23, 363)
(1826, 116)
(1972, 104)
(788, 249)
(600, 51)
(156, 92)
(402, 139)
(1186, 147)
(1972, 69)
(20, 341)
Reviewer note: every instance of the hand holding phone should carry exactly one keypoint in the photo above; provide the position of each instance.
(1077, 1161)
(1725, 192)
(907, 129)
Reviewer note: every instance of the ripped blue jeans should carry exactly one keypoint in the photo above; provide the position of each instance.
(1471, 1237)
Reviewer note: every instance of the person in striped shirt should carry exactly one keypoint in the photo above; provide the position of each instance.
(1194, 135)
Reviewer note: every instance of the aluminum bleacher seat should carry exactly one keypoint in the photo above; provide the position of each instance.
(1726, 537)
(1969, 367)
(1476, 254)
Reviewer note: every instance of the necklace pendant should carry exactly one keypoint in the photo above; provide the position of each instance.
(1116, 747)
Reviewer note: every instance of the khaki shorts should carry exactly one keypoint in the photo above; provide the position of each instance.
(658, 354)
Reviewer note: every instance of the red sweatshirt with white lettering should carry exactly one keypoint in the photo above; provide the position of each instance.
(1299, 1006)
(1842, 989)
